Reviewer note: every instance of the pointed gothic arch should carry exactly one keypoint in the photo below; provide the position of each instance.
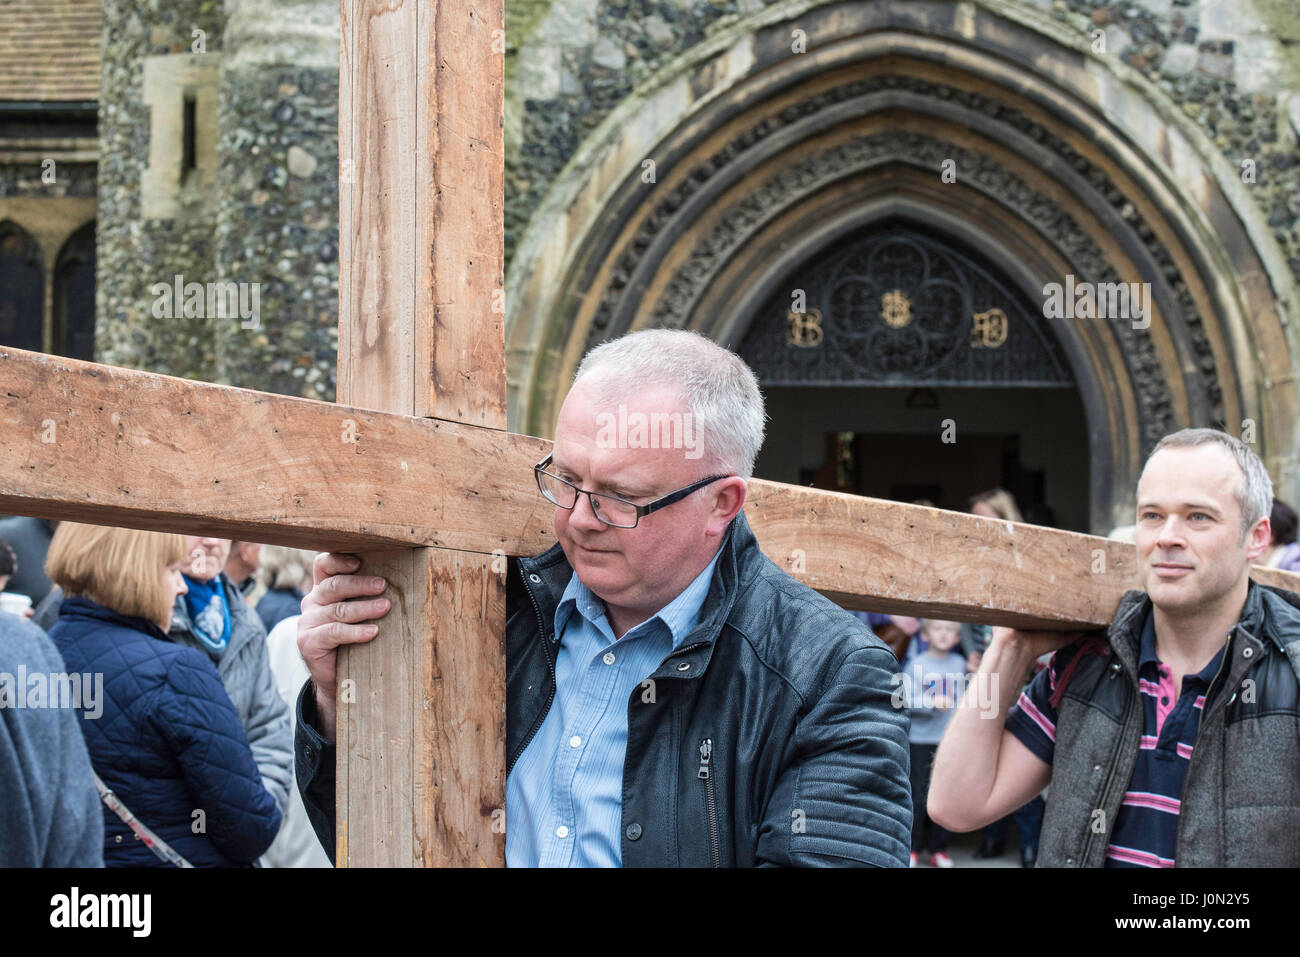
(22, 288)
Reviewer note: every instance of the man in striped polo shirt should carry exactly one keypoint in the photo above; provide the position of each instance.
(1175, 738)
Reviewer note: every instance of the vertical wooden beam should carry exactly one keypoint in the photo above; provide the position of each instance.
(460, 229)
(421, 775)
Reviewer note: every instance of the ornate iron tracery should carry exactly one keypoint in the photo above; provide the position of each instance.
(901, 307)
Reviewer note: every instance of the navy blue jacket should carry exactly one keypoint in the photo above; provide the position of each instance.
(277, 605)
(808, 756)
(168, 743)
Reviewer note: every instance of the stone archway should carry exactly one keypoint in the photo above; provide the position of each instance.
(74, 296)
(745, 159)
(22, 287)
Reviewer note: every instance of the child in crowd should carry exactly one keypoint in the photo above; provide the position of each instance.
(935, 679)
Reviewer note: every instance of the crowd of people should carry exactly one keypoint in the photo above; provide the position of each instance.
(180, 751)
(659, 638)
(936, 657)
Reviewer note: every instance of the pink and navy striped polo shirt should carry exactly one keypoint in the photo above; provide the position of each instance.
(1146, 828)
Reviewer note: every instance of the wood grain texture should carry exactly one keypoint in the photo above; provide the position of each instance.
(148, 451)
(460, 218)
(459, 711)
(424, 782)
(377, 740)
(378, 212)
(421, 719)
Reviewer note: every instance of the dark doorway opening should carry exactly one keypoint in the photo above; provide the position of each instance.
(917, 468)
(945, 446)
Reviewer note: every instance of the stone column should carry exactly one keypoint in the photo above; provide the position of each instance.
(155, 214)
(277, 216)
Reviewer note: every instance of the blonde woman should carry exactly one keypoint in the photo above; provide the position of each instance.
(168, 742)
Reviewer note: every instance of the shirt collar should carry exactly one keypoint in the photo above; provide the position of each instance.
(1148, 657)
(679, 616)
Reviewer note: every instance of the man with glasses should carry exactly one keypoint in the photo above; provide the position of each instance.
(673, 697)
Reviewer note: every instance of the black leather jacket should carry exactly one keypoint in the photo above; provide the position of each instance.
(770, 737)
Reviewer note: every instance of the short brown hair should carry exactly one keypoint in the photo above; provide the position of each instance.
(120, 568)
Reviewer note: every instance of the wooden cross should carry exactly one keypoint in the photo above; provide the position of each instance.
(415, 471)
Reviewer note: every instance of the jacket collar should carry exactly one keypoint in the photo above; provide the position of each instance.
(547, 575)
(79, 607)
(1269, 616)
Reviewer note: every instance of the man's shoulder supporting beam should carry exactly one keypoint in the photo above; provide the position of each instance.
(92, 443)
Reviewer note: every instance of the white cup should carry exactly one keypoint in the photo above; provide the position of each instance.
(14, 603)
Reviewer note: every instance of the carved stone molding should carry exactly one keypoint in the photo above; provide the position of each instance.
(799, 180)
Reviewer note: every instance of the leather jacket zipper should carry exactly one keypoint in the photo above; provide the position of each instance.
(541, 630)
(710, 801)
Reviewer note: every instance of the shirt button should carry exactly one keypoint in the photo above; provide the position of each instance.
(575, 742)
(633, 832)
(561, 831)
(609, 658)
(1164, 700)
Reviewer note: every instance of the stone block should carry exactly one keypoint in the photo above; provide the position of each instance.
(1259, 67)
(1214, 63)
(607, 54)
(1180, 60)
(659, 32)
(301, 163)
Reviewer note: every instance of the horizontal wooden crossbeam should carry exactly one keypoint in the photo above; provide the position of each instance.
(91, 443)
(100, 444)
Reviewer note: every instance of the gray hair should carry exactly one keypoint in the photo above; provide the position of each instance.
(284, 567)
(718, 389)
(1254, 493)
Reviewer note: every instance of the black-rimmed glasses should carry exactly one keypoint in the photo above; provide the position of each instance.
(610, 509)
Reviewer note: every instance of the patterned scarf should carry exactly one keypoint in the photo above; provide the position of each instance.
(210, 614)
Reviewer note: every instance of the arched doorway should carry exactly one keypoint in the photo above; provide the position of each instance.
(74, 296)
(22, 288)
(900, 364)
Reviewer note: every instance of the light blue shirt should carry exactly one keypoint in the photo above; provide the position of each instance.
(564, 796)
